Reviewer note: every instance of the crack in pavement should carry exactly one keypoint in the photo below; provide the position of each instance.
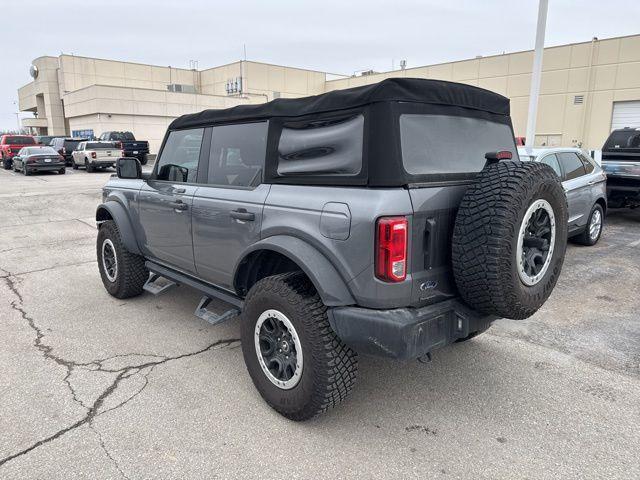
(107, 453)
(123, 373)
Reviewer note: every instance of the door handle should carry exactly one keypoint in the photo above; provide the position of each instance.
(179, 190)
(242, 214)
(179, 205)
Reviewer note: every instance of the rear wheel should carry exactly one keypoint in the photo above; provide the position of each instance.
(6, 163)
(62, 171)
(123, 273)
(593, 231)
(510, 238)
(296, 361)
(143, 160)
(88, 166)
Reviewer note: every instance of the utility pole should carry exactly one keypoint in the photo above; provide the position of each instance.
(536, 74)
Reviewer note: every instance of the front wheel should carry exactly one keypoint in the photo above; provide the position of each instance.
(123, 273)
(593, 230)
(296, 361)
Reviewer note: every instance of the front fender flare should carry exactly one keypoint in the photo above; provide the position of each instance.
(330, 286)
(120, 216)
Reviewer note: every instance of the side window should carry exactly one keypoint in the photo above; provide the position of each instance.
(237, 154)
(552, 161)
(179, 158)
(321, 147)
(588, 164)
(572, 165)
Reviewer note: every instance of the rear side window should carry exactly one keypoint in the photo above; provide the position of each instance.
(588, 163)
(237, 154)
(552, 161)
(178, 161)
(447, 144)
(327, 147)
(573, 167)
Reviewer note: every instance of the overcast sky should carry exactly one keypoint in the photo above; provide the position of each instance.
(338, 36)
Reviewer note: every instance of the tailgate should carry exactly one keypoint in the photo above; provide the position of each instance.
(434, 216)
(107, 154)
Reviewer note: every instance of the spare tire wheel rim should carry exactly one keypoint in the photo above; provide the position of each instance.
(595, 225)
(536, 241)
(109, 260)
(278, 349)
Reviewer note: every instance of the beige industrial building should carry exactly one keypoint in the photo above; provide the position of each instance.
(587, 90)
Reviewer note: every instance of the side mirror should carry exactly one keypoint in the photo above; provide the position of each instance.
(128, 167)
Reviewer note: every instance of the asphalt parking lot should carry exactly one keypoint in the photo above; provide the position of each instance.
(95, 387)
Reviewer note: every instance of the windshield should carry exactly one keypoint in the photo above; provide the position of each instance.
(122, 136)
(18, 140)
(623, 139)
(448, 144)
(98, 146)
(39, 151)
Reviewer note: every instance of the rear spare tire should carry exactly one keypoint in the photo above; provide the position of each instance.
(510, 238)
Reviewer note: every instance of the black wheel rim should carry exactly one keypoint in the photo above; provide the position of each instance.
(536, 242)
(278, 349)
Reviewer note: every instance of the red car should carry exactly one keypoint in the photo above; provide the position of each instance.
(10, 145)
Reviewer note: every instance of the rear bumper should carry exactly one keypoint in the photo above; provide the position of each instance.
(406, 333)
(42, 167)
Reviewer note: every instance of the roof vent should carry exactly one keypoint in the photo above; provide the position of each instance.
(578, 100)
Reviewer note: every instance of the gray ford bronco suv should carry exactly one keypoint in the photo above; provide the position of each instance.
(390, 219)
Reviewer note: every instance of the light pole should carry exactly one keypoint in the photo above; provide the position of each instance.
(536, 74)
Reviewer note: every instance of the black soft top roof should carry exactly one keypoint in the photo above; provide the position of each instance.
(415, 90)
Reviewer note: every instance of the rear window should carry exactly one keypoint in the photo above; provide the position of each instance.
(623, 139)
(121, 136)
(40, 151)
(100, 146)
(447, 144)
(18, 140)
(71, 145)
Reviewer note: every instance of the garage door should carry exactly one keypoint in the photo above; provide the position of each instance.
(626, 114)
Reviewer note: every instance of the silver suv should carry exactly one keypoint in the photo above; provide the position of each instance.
(389, 219)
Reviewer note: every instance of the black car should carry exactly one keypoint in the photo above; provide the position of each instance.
(621, 162)
(38, 159)
(65, 147)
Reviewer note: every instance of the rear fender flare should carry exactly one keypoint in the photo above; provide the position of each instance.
(331, 287)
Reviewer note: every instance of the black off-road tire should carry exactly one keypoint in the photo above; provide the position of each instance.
(131, 273)
(486, 232)
(585, 237)
(329, 368)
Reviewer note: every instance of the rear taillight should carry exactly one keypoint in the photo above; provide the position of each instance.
(93, 155)
(62, 151)
(391, 249)
(119, 145)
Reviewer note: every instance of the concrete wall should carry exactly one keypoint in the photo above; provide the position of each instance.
(601, 71)
(145, 112)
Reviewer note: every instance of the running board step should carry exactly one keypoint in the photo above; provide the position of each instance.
(157, 288)
(211, 317)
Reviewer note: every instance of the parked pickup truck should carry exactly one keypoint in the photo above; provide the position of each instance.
(10, 145)
(621, 162)
(129, 145)
(94, 155)
(350, 222)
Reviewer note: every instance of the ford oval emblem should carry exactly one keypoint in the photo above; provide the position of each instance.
(428, 285)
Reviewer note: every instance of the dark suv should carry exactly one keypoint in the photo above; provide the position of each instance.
(388, 219)
(65, 147)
